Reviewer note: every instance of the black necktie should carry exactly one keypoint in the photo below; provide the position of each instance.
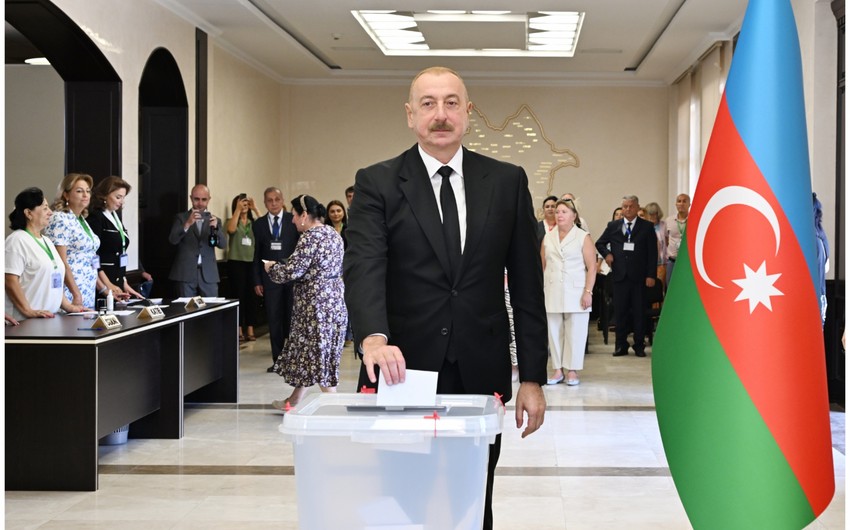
(451, 224)
(629, 230)
(275, 228)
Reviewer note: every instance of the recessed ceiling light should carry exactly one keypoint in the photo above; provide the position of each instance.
(39, 61)
(473, 33)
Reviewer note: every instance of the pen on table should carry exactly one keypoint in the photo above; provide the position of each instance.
(90, 329)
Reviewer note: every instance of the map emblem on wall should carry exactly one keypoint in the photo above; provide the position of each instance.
(521, 140)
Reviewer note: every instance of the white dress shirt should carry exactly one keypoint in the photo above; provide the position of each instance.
(432, 165)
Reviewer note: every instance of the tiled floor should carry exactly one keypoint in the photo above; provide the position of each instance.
(597, 463)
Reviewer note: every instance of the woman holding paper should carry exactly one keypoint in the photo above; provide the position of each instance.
(311, 353)
(34, 271)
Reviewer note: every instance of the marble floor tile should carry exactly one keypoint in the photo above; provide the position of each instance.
(597, 463)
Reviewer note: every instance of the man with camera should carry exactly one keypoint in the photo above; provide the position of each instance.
(196, 234)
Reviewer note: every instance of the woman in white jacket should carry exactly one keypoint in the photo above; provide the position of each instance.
(569, 272)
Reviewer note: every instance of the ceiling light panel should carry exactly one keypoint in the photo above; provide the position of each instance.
(473, 33)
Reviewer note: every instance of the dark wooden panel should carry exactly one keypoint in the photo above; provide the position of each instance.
(70, 51)
(201, 105)
(51, 418)
(129, 374)
(66, 387)
(93, 129)
(163, 190)
(212, 380)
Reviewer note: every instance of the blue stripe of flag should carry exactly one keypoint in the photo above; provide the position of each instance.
(764, 92)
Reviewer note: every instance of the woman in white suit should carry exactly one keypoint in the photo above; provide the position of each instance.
(569, 272)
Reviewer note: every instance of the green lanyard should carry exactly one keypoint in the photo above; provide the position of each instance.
(86, 228)
(120, 231)
(44, 247)
(248, 229)
(682, 225)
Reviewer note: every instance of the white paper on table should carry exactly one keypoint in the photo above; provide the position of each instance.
(82, 313)
(123, 313)
(418, 390)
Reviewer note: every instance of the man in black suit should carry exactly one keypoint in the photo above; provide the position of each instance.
(630, 248)
(430, 236)
(274, 239)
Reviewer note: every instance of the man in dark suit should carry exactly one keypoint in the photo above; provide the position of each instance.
(430, 236)
(274, 239)
(630, 248)
(194, 269)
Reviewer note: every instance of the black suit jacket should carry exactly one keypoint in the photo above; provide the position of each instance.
(398, 279)
(262, 246)
(110, 249)
(636, 265)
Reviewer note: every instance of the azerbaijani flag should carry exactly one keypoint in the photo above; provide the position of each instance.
(738, 365)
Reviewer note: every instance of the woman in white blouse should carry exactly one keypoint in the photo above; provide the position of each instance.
(34, 270)
(569, 272)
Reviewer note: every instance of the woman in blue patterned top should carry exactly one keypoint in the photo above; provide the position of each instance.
(75, 242)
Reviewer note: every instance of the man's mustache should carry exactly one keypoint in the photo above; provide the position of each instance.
(442, 127)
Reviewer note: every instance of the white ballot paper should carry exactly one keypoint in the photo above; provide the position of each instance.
(418, 390)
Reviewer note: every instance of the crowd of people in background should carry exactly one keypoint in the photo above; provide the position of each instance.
(635, 253)
(84, 240)
(312, 270)
(423, 278)
(323, 281)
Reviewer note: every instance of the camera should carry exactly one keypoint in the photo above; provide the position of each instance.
(213, 239)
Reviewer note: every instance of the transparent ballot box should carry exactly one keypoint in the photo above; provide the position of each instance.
(360, 466)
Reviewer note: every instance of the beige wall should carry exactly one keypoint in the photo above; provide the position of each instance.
(127, 37)
(244, 131)
(618, 133)
(336, 130)
(313, 138)
(35, 131)
(817, 32)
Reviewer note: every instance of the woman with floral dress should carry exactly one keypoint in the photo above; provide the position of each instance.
(75, 241)
(311, 353)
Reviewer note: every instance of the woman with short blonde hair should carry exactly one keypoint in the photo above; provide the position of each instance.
(75, 241)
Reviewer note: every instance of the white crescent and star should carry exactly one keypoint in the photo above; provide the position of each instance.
(757, 286)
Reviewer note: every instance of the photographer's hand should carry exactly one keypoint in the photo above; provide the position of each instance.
(193, 217)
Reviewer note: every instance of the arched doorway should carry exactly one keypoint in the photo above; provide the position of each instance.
(92, 87)
(163, 162)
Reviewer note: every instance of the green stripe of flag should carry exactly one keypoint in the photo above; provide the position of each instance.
(726, 465)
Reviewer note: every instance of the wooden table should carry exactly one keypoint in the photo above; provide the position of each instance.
(66, 388)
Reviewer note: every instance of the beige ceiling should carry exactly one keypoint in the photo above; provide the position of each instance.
(622, 41)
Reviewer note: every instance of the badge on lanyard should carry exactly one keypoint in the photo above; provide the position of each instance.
(123, 260)
(628, 247)
(246, 241)
(276, 245)
(95, 262)
(55, 280)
